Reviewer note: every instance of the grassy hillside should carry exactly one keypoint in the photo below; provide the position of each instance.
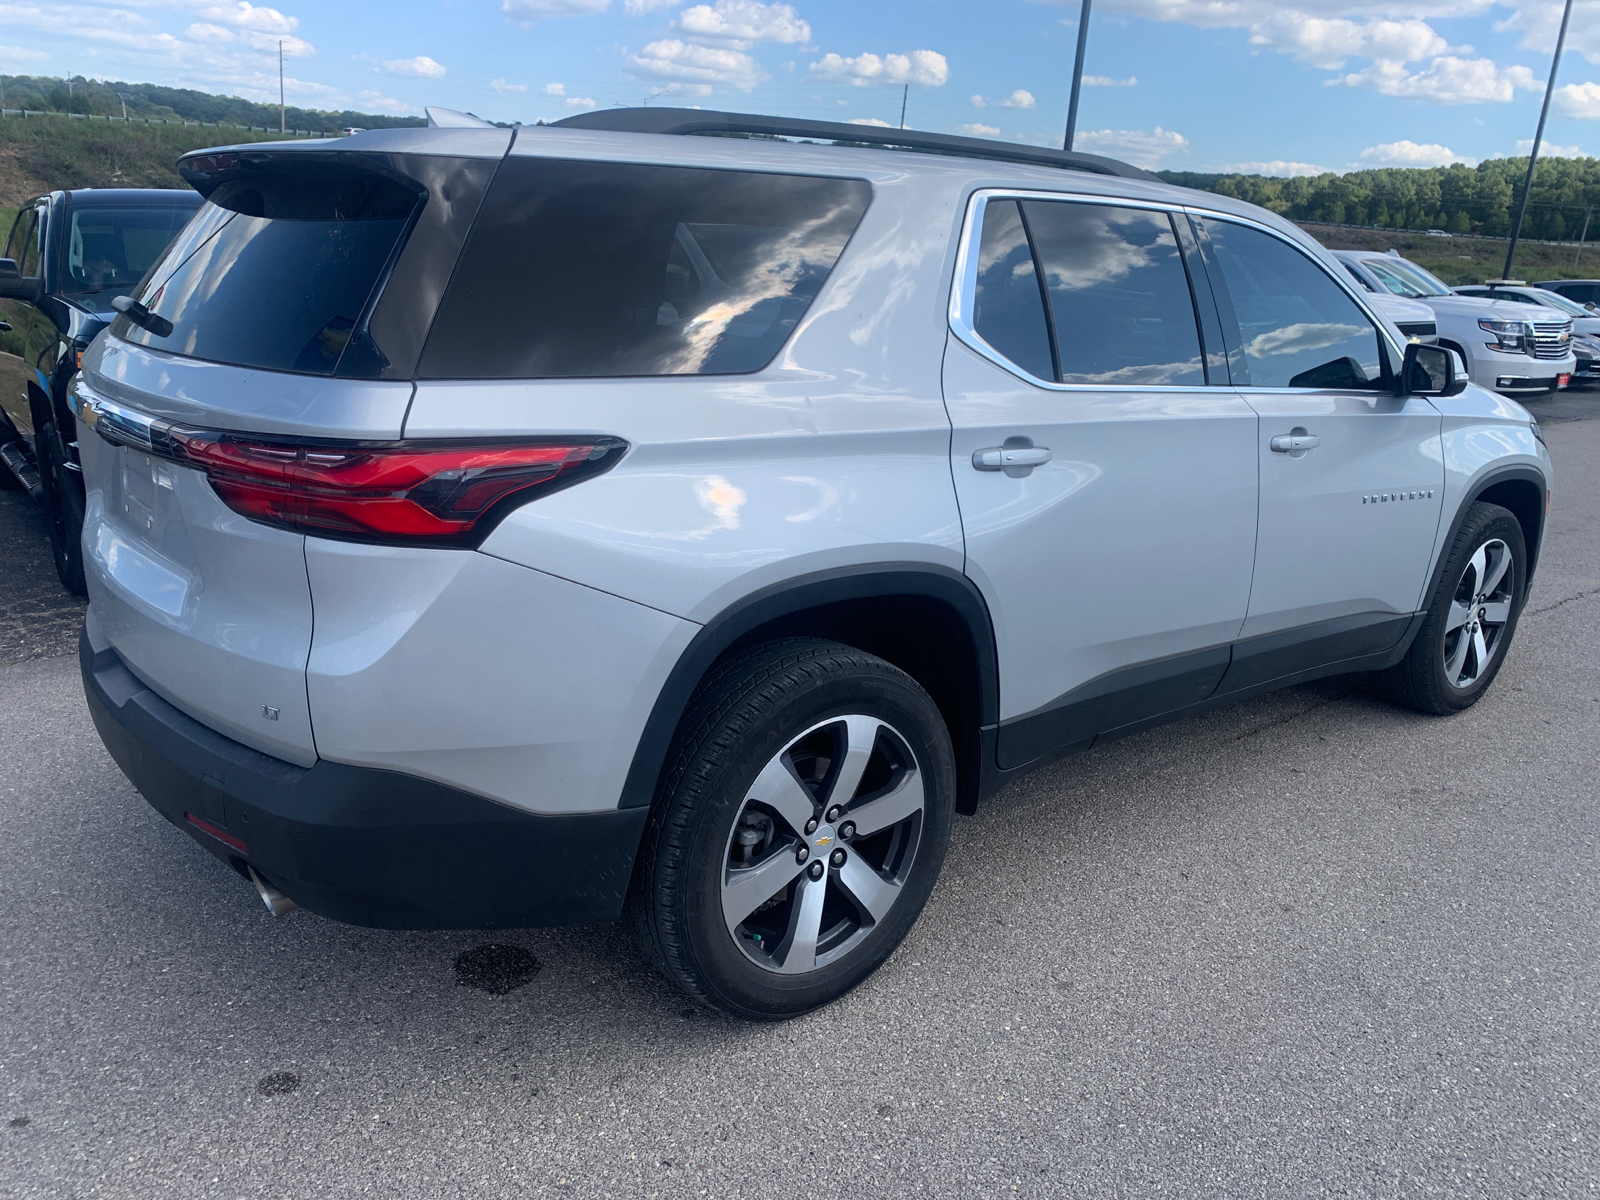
(39, 155)
(1463, 260)
(104, 98)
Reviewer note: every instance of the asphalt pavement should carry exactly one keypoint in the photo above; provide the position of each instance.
(1311, 945)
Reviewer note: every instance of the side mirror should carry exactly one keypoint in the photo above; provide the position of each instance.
(1431, 371)
(14, 284)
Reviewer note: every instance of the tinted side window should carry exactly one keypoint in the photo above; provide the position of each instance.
(23, 244)
(1119, 294)
(1008, 306)
(275, 271)
(1297, 327)
(605, 269)
(114, 247)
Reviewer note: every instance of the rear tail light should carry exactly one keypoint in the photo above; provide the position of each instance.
(410, 493)
(436, 494)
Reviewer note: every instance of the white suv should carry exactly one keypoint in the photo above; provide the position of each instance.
(1505, 346)
(498, 528)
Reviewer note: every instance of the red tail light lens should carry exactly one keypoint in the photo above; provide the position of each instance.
(420, 494)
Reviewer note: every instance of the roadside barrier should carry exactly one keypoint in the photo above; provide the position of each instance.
(29, 114)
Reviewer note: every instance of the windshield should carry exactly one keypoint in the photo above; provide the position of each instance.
(1405, 278)
(1556, 300)
(114, 247)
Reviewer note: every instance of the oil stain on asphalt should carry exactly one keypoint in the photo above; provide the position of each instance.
(279, 1083)
(496, 969)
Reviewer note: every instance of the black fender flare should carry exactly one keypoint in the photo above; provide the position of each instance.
(1479, 487)
(738, 620)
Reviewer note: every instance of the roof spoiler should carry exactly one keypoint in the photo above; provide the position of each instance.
(694, 120)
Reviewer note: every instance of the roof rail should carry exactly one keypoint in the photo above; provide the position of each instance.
(695, 120)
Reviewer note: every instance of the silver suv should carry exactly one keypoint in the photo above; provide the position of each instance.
(495, 527)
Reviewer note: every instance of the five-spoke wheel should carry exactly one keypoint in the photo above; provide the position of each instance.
(823, 844)
(799, 830)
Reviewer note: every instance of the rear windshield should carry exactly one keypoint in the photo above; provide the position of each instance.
(606, 269)
(275, 271)
(114, 247)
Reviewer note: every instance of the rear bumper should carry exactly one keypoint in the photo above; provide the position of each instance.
(358, 844)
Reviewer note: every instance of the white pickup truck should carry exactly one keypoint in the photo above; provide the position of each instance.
(1504, 346)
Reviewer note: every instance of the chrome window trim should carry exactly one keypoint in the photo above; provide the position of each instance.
(963, 291)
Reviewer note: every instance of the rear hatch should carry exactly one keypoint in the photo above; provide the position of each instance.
(287, 317)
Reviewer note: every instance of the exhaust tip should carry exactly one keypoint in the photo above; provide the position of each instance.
(277, 903)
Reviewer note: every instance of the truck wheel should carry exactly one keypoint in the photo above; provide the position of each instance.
(1471, 619)
(64, 501)
(799, 829)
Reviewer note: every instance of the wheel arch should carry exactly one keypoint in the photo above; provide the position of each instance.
(929, 621)
(1522, 491)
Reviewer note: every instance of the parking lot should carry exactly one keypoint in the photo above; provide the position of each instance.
(1310, 945)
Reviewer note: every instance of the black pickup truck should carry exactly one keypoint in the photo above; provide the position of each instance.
(68, 255)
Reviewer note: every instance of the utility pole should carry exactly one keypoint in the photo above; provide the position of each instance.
(1538, 137)
(1582, 237)
(1077, 77)
(123, 98)
(281, 109)
(905, 94)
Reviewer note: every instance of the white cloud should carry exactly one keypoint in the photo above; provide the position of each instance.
(1277, 167)
(637, 8)
(248, 16)
(1141, 148)
(869, 121)
(1547, 150)
(1019, 99)
(500, 85)
(1107, 81)
(555, 89)
(580, 102)
(742, 23)
(1447, 80)
(1407, 153)
(378, 102)
(420, 67)
(1327, 43)
(975, 129)
(526, 12)
(685, 62)
(979, 102)
(1581, 100)
(1538, 24)
(926, 68)
(20, 54)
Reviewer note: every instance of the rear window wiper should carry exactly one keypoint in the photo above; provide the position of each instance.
(142, 316)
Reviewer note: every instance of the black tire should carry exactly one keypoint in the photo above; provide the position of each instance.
(1422, 680)
(64, 505)
(744, 717)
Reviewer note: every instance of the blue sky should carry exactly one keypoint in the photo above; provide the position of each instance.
(1182, 84)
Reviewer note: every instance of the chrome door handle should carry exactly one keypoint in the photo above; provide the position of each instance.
(1009, 458)
(1296, 443)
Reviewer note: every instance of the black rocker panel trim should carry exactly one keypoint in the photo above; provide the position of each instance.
(1151, 694)
(355, 844)
(816, 592)
(1290, 652)
(1131, 694)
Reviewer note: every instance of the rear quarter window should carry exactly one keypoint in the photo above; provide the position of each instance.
(585, 269)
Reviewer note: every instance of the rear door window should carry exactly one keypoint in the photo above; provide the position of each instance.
(276, 271)
(1296, 327)
(1119, 295)
(592, 269)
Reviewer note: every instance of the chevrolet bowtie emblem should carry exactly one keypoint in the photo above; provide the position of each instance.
(823, 841)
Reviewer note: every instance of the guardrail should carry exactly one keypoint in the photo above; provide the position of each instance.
(1470, 237)
(29, 114)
